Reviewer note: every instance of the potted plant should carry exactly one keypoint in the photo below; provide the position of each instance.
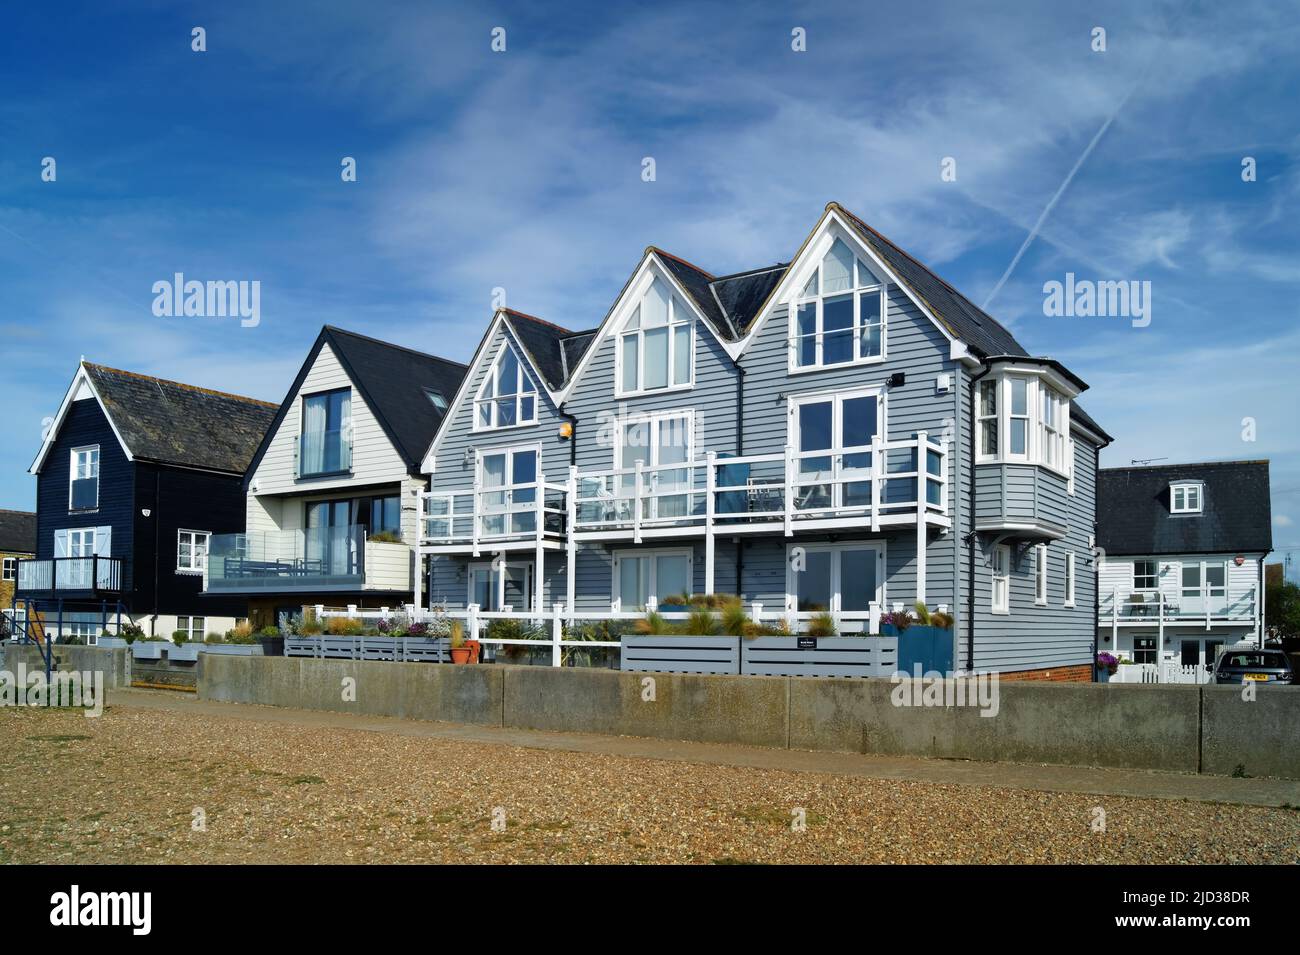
(925, 638)
(1107, 666)
(272, 641)
(460, 652)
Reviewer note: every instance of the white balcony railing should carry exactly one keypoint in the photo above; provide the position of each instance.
(885, 482)
(1154, 608)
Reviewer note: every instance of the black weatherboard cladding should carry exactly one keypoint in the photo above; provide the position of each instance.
(1134, 517)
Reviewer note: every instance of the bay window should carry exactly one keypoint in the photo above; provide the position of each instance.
(1022, 418)
(507, 398)
(838, 318)
(654, 347)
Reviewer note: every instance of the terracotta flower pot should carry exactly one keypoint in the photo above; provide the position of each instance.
(460, 654)
(473, 650)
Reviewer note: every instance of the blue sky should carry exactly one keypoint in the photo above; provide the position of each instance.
(522, 170)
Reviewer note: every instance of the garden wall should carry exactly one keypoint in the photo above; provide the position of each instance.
(1170, 728)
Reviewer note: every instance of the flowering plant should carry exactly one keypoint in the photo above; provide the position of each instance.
(1108, 661)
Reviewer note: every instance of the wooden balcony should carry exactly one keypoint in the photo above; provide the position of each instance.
(70, 577)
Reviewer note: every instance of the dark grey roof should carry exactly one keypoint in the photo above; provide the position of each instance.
(394, 381)
(698, 284)
(964, 319)
(173, 423)
(743, 294)
(17, 532)
(1133, 515)
(544, 342)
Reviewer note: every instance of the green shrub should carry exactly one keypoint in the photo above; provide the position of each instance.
(822, 625)
(701, 623)
(179, 637)
(922, 613)
(654, 625)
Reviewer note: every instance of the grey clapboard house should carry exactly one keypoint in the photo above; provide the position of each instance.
(844, 432)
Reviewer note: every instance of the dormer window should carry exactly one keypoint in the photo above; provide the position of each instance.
(838, 318)
(507, 397)
(654, 347)
(1185, 497)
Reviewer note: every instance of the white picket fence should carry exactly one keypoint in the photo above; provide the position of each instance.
(1165, 672)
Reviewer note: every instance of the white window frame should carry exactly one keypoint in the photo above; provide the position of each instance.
(1000, 580)
(674, 323)
(508, 508)
(1181, 494)
(1038, 436)
(1040, 575)
(198, 549)
(498, 583)
(525, 387)
(872, 284)
(1154, 575)
(616, 585)
(1069, 579)
(80, 534)
(984, 418)
(189, 626)
(836, 587)
(10, 569)
(76, 467)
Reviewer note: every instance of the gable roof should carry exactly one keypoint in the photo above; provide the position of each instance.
(17, 532)
(393, 380)
(544, 343)
(1133, 515)
(169, 422)
(964, 318)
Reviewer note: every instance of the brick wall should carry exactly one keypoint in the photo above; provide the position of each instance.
(7, 586)
(1073, 674)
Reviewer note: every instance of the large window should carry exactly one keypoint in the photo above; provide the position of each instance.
(507, 398)
(83, 485)
(642, 575)
(657, 441)
(1022, 418)
(838, 318)
(842, 579)
(1144, 650)
(841, 425)
(1001, 579)
(495, 589)
(508, 492)
(191, 551)
(325, 446)
(654, 347)
(1185, 498)
(1145, 575)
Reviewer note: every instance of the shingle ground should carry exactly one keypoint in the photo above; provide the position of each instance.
(124, 788)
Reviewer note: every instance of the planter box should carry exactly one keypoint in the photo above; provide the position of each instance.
(186, 651)
(411, 649)
(820, 656)
(147, 650)
(271, 646)
(233, 649)
(110, 642)
(930, 648)
(673, 654)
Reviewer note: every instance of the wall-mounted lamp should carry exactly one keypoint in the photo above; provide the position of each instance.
(566, 430)
(145, 511)
(468, 458)
(897, 379)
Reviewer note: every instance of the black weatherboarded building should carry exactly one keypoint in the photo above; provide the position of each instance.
(134, 477)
